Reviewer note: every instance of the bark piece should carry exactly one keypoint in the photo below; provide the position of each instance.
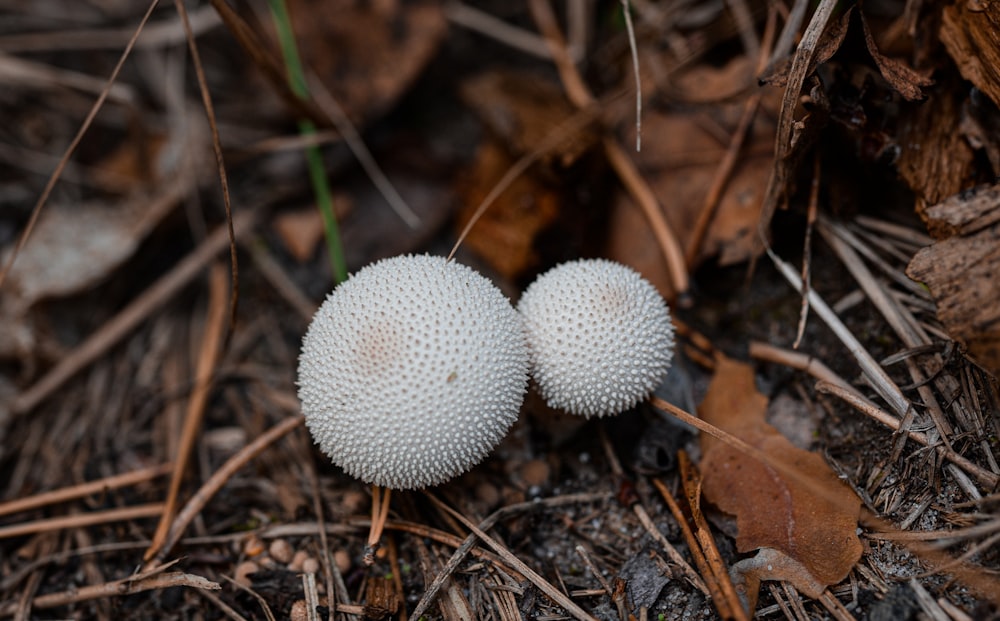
(970, 32)
(961, 270)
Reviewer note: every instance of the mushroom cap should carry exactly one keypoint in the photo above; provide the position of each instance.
(412, 371)
(599, 334)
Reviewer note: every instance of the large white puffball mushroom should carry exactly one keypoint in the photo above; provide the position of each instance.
(412, 371)
(599, 334)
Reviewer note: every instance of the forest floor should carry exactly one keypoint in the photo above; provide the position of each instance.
(153, 461)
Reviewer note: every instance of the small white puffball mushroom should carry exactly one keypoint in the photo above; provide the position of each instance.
(412, 371)
(599, 334)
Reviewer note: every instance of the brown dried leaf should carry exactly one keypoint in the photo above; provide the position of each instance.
(829, 43)
(815, 525)
(961, 270)
(524, 116)
(368, 53)
(680, 159)
(73, 247)
(505, 234)
(902, 78)
(522, 111)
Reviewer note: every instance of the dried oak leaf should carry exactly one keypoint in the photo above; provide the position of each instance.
(807, 533)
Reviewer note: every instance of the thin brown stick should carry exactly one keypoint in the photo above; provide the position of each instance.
(208, 358)
(82, 519)
(127, 586)
(858, 402)
(551, 140)
(543, 585)
(218, 479)
(64, 160)
(220, 164)
(806, 273)
(150, 301)
(728, 163)
(623, 165)
(83, 489)
(466, 546)
(380, 513)
(783, 136)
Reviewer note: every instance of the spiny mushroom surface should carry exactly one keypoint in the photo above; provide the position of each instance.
(599, 334)
(412, 371)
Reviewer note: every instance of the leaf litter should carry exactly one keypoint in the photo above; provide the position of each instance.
(114, 405)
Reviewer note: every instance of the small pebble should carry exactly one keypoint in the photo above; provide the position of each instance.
(281, 551)
(535, 473)
(354, 502)
(342, 560)
(297, 560)
(253, 546)
(488, 494)
(310, 566)
(243, 571)
(299, 611)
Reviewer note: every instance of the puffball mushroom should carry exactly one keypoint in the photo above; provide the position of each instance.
(599, 334)
(412, 371)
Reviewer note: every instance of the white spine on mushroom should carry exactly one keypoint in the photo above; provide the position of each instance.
(412, 371)
(599, 334)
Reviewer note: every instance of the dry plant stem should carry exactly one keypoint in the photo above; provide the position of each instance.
(984, 582)
(150, 301)
(64, 160)
(352, 138)
(858, 402)
(380, 513)
(623, 166)
(689, 572)
(874, 373)
(254, 594)
(489, 26)
(466, 546)
(264, 59)
(83, 489)
(272, 271)
(706, 556)
(806, 274)
(164, 33)
(223, 607)
(208, 358)
(218, 479)
(220, 164)
(783, 139)
(312, 595)
(647, 522)
(728, 163)
(16, 71)
(550, 591)
(834, 236)
(797, 360)
(831, 383)
(334, 580)
(127, 586)
(634, 49)
(82, 519)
